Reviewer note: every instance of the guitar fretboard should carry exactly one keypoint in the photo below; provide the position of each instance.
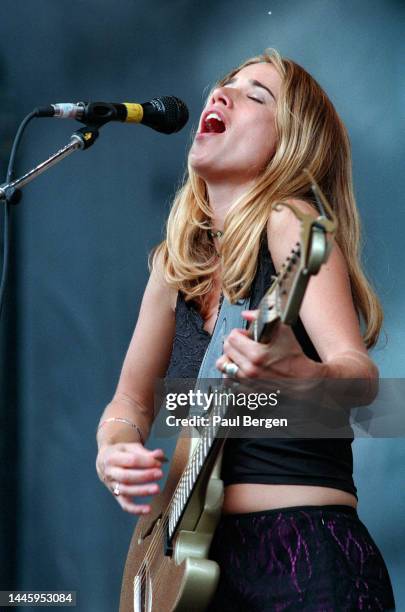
(193, 470)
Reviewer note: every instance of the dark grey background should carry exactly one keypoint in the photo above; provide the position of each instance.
(83, 231)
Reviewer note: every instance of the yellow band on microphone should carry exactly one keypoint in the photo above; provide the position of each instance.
(134, 112)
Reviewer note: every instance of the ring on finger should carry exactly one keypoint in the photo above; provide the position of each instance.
(116, 489)
(230, 369)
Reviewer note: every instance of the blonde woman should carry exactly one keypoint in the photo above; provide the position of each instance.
(290, 537)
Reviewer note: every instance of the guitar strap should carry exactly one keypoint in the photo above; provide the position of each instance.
(229, 317)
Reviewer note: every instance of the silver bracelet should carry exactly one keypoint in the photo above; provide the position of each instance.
(122, 420)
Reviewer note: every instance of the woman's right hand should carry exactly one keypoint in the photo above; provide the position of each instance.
(130, 470)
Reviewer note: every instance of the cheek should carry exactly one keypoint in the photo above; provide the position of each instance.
(259, 145)
(269, 140)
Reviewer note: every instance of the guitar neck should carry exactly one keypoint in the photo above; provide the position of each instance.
(201, 462)
(263, 327)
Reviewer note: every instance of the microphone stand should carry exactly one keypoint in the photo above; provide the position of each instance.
(81, 139)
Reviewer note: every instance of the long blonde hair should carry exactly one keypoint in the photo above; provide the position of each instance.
(310, 135)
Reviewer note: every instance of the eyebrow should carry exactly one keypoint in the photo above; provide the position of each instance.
(253, 82)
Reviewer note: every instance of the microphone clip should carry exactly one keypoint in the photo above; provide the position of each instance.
(86, 136)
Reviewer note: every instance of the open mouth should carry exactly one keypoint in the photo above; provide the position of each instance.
(212, 124)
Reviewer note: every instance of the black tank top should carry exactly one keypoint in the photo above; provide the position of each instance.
(322, 462)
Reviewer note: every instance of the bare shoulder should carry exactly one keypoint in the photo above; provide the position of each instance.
(284, 214)
(283, 232)
(328, 312)
(158, 287)
(283, 229)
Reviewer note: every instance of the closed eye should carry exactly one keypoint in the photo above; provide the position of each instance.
(256, 99)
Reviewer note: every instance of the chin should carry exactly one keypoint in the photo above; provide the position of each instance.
(193, 162)
(203, 170)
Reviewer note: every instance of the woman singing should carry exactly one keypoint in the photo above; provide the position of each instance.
(290, 537)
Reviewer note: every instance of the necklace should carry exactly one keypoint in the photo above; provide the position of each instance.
(215, 234)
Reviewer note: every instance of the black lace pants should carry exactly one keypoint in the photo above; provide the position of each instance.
(305, 558)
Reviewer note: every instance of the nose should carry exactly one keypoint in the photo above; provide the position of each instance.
(220, 95)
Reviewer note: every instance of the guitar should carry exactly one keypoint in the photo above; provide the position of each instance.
(167, 567)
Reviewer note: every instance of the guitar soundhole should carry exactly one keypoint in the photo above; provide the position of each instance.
(143, 590)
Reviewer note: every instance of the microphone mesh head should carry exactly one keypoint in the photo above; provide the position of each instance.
(167, 114)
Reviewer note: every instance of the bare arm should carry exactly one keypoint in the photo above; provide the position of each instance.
(146, 360)
(327, 311)
(328, 315)
(122, 457)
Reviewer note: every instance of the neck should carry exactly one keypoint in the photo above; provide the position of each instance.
(221, 197)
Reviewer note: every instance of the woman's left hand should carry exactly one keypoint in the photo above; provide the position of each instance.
(282, 357)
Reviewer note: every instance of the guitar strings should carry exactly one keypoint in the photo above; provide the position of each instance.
(153, 548)
(191, 464)
(159, 575)
(154, 544)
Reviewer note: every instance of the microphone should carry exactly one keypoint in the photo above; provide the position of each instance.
(167, 114)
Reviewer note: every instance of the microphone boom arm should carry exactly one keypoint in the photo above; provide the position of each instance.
(81, 139)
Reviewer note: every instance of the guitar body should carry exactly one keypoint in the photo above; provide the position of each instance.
(158, 579)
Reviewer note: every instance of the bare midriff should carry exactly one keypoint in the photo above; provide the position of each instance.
(249, 497)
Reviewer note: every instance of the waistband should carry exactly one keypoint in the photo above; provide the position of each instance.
(324, 509)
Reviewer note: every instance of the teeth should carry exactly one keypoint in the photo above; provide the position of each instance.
(213, 116)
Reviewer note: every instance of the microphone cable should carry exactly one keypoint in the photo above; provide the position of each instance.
(8, 205)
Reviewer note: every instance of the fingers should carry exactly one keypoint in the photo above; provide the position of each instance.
(130, 455)
(134, 459)
(132, 477)
(137, 449)
(246, 368)
(130, 506)
(124, 494)
(250, 315)
(138, 490)
(245, 352)
(283, 357)
(130, 469)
